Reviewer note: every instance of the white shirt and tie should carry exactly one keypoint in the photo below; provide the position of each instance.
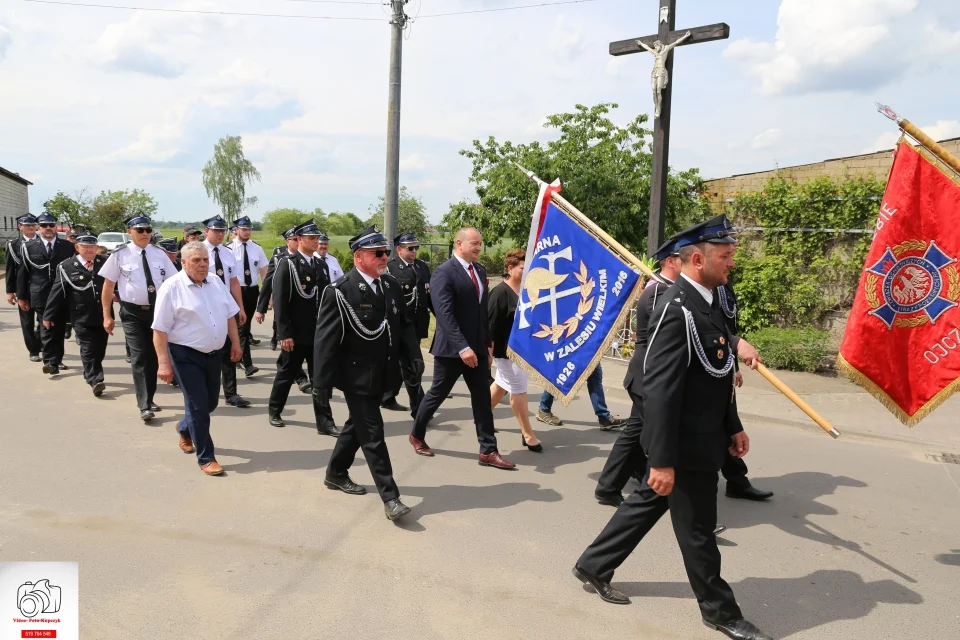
(227, 260)
(125, 268)
(256, 259)
(193, 315)
(472, 274)
(332, 264)
(376, 284)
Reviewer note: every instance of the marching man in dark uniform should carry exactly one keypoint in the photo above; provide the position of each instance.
(252, 262)
(690, 422)
(40, 258)
(29, 322)
(76, 293)
(169, 246)
(136, 271)
(408, 270)
(362, 330)
(297, 283)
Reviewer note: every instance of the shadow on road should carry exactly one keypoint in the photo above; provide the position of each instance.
(785, 606)
(949, 559)
(454, 497)
(272, 461)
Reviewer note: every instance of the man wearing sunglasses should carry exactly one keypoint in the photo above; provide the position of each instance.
(362, 329)
(29, 321)
(297, 283)
(40, 258)
(409, 272)
(135, 272)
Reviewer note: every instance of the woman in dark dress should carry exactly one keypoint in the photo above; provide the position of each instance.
(509, 378)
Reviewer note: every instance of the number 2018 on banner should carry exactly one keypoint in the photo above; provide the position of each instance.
(946, 345)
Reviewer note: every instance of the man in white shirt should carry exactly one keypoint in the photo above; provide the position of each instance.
(323, 252)
(223, 264)
(252, 263)
(195, 315)
(135, 272)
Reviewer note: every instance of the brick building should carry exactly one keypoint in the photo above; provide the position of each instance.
(14, 201)
(875, 164)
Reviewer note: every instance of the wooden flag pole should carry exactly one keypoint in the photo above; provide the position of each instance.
(914, 132)
(605, 237)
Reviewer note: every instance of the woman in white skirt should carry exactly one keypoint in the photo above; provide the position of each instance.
(510, 378)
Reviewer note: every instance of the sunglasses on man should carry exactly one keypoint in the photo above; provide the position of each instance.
(47, 225)
(379, 253)
(143, 229)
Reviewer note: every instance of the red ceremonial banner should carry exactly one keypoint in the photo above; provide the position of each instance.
(902, 342)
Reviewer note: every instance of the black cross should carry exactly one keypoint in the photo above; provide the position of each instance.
(667, 35)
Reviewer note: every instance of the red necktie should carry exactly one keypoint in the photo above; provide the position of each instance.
(89, 264)
(476, 283)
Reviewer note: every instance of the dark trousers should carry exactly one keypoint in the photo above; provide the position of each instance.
(446, 372)
(93, 347)
(289, 368)
(248, 296)
(199, 377)
(30, 325)
(228, 369)
(693, 510)
(51, 340)
(626, 456)
(136, 321)
(414, 394)
(364, 430)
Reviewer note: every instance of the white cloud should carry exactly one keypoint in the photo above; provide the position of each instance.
(826, 45)
(566, 39)
(413, 162)
(765, 140)
(942, 130)
(6, 39)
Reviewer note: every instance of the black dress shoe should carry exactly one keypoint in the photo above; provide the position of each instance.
(51, 369)
(275, 421)
(393, 405)
(98, 389)
(35, 357)
(328, 430)
(609, 499)
(739, 630)
(344, 483)
(249, 371)
(305, 386)
(255, 340)
(395, 509)
(60, 365)
(273, 345)
(127, 359)
(603, 589)
(155, 407)
(748, 492)
(238, 402)
(720, 528)
(146, 414)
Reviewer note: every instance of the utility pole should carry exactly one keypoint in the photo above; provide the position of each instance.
(392, 195)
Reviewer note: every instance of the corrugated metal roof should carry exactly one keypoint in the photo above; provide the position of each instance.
(14, 176)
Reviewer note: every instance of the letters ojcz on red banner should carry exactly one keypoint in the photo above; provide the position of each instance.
(902, 341)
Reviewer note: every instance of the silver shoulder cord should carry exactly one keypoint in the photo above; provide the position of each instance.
(692, 338)
(357, 326)
(26, 257)
(65, 281)
(725, 304)
(13, 254)
(295, 281)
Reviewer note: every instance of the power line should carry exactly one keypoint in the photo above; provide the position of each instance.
(216, 13)
(524, 6)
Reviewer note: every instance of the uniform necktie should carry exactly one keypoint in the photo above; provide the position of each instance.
(219, 265)
(476, 283)
(49, 249)
(151, 290)
(89, 264)
(247, 278)
(376, 287)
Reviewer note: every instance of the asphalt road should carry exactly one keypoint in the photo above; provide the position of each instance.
(862, 539)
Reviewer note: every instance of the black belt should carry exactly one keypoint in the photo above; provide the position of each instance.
(135, 307)
(252, 286)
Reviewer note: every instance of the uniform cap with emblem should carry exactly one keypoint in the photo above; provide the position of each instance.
(216, 223)
(46, 218)
(667, 249)
(308, 228)
(716, 230)
(407, 238)
(191, 230)
(87, 239)
(168, 244)
(289, 233)
(243, 223)
(139, 221)
(27, 219)
(369, 238)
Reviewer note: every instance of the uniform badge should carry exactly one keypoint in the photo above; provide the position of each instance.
(220, 272)
(246, 272)
(256, 263)
(720, 354)
(304, 287)
(81, 277)
(363, 287)
(151, 288)
(394, 309)
(722, 340)
(162, 272)
(308, 278)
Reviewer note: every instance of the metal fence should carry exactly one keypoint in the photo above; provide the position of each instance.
(622, 346)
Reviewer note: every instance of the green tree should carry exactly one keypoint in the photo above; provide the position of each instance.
(605, 170)
(411, 214)
(276, 221)
(226, 175)
(70, 210)
(343, 224)
(110, 209)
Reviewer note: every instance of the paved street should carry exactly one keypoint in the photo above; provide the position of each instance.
(862, 539)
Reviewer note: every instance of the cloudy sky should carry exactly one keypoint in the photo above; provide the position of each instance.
(110, 99)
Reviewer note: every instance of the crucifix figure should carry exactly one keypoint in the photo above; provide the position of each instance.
(661, 45)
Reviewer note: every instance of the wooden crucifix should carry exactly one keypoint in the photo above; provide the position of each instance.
(661, 46)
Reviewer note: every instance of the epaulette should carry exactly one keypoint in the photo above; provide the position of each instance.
(391, 277)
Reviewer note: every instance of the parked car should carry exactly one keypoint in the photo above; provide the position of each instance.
(112, 240)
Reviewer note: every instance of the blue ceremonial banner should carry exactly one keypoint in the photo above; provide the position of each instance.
(576, 293)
